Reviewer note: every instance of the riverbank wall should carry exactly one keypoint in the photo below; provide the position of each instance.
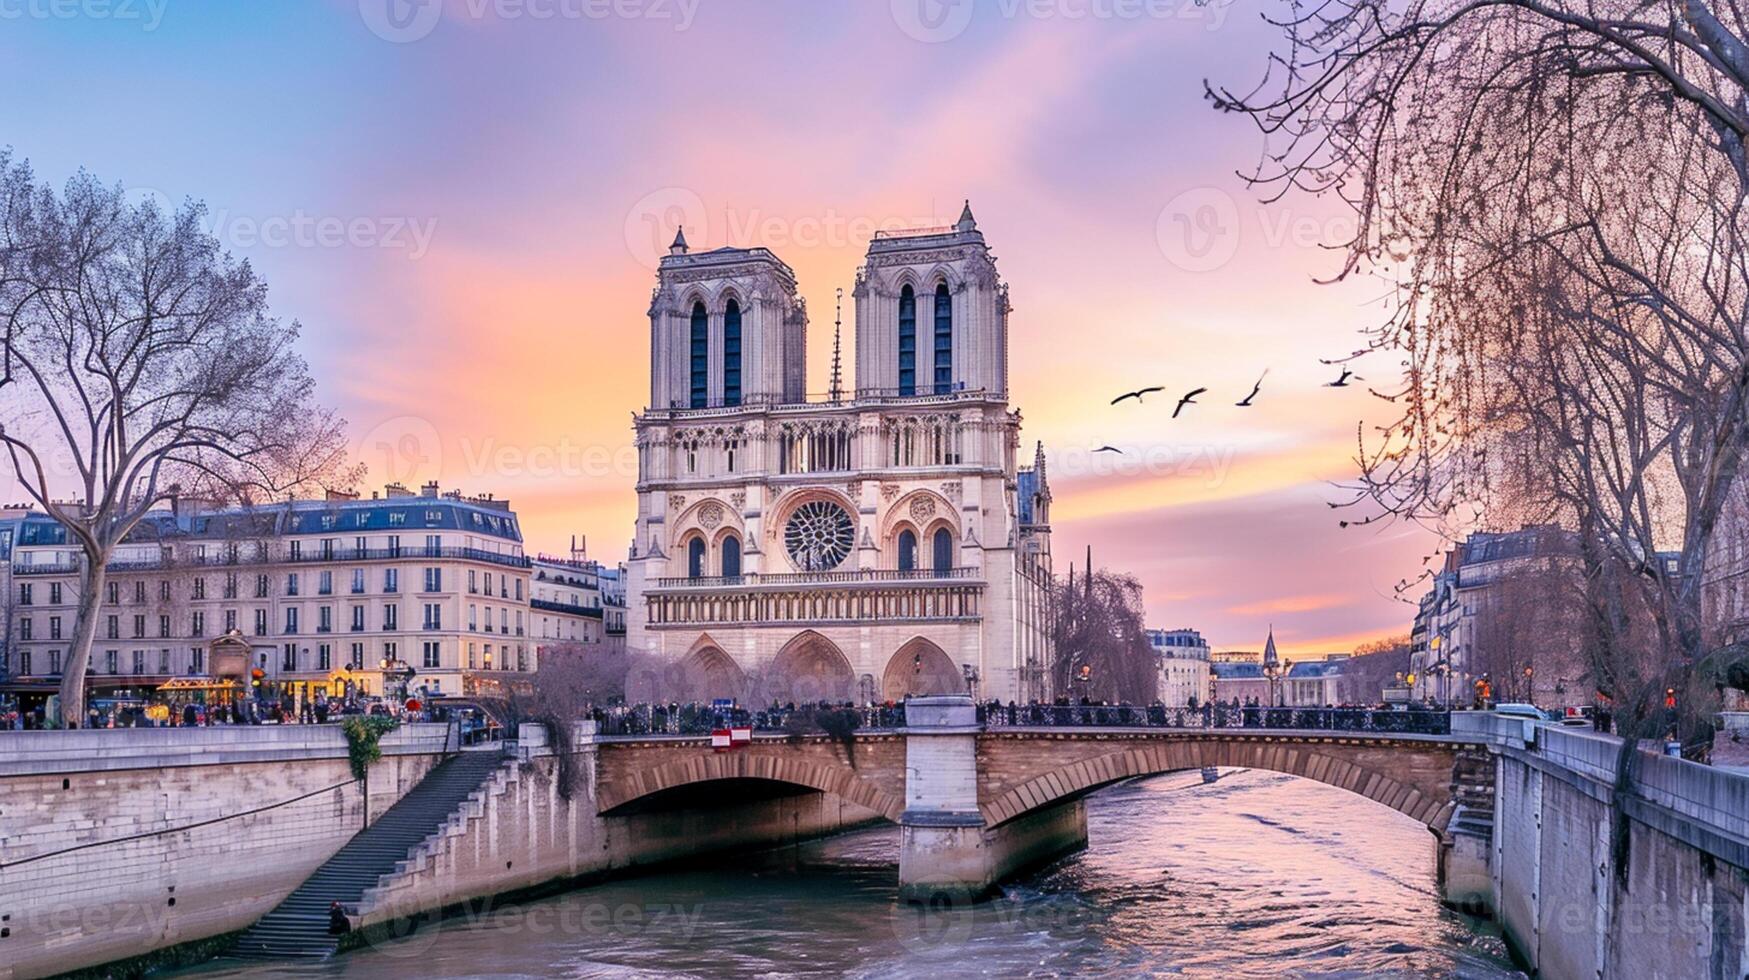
(119, 842)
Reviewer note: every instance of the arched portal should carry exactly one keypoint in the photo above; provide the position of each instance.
(810, 668)
(708, 674)
(920, 667)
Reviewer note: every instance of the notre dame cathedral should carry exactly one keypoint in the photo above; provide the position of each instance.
(857, 545)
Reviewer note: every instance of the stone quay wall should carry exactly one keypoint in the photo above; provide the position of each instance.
(115, 843)
(1568, 901)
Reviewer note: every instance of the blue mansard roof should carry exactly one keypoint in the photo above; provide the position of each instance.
(409, 514)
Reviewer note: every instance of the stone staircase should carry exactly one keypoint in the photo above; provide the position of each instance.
(298, 926)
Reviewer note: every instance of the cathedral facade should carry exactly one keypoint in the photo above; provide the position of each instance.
(859, 545)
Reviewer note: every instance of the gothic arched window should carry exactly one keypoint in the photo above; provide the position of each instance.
(907, 551)
(941, 552)
(943, 340)
(695, 558)
(732, 354)
(731, 556)
(701, 356)
(907, 342)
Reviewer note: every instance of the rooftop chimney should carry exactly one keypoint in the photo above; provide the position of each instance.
(429, 489)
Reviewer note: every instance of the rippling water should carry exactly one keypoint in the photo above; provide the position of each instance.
(1260, 874)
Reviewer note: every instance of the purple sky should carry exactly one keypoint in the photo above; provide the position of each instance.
(461, 202)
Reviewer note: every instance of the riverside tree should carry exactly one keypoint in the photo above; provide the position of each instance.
(140, 362)
(1552, 192)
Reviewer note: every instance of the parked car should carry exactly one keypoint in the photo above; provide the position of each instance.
(1518, 710)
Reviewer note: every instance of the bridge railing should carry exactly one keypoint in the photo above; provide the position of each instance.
(702, 719)
(1384, 721)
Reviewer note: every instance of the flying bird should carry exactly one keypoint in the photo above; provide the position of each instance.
(1137, 395)
(1344, 360)
(1188, 399)
(1254, 390)
(1109, 449)
(1342, 382)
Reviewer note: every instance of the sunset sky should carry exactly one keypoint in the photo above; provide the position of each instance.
(461, 202)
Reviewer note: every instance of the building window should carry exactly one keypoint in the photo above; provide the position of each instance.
(434, 580)
(260, 622)
(325, 619)
(391, 617)
(230, 620)
(357, 656)
(163, 626)
(140, 591)
(24, 594)
(24, 627)
(109, 661)
(24, 661)
(941, 551)
(434, 545)
(943, 340)
(54, 593)
(113, 628)
(433, 616)
(291, 584)
(197, 624)
(196, 660)
(358, 619)
(324, 657)
(325, 583)
(907, 341)
(260, 586)
(473, 580)
(391, 580)
(199, 588)
(732, 354)
(112, 593)
(700, 356)
(139, 627)
(139, 661)
(473, 656)
(289, 657)
(695, 558)
(291, 620)
(731, 556)
(907, 550)
(164, 661)
(432, 659)
(358, 581)
(474, 617)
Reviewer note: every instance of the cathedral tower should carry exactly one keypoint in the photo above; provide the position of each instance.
(726, 329)
(931, 315)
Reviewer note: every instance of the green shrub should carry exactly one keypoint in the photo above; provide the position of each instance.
(363, 740)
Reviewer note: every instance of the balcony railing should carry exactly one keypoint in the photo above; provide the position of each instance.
(568, 608)
(316, 558)
(817, 578)
(922, 393)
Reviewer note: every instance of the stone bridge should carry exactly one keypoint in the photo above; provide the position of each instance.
(976, 805)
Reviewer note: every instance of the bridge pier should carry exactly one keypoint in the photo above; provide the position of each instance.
(945, 850)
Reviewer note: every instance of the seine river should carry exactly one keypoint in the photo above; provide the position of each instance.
(1257, 875)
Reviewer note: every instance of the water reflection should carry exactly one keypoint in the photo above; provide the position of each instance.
(1260, 874)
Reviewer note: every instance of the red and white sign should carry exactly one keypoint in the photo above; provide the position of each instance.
(720, 740)
(741, 735)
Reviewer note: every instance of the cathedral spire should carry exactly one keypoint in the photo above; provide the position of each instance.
(679, 246)
(837, 390)
(966, 222)
(1269, 656)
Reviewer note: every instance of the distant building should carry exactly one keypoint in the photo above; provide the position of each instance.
(1313, 683)
(1494, 610)
(1247, 681)
(1182, 662)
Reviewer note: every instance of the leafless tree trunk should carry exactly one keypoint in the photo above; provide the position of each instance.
(140, 361)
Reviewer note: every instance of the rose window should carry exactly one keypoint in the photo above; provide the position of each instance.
(818, 536)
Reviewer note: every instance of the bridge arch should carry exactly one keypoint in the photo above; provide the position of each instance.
(819, 769)
(1420, 790)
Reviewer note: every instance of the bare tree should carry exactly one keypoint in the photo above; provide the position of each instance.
(140, 361)
(1101, 640)
(1552, 193)
(1375, 665)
